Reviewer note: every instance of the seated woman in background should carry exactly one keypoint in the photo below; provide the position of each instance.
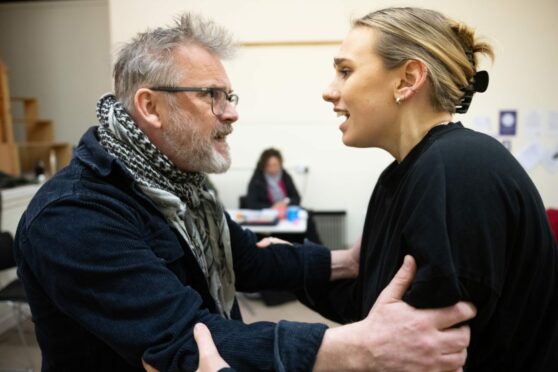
(271, 186)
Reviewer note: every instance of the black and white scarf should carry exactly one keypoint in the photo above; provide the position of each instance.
(180, 196)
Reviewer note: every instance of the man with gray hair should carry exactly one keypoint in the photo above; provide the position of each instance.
(125, 250)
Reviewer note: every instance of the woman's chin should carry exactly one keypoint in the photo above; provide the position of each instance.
(348, 141)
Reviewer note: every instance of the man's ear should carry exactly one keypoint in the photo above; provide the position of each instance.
(412, 78)
(146, 106)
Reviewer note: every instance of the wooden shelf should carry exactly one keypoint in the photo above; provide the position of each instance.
(38, 145)
(54, 156)
(9, 158)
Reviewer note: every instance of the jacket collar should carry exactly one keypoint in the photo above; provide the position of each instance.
(95, 157)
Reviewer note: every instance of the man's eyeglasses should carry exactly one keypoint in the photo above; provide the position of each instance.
(219, 97)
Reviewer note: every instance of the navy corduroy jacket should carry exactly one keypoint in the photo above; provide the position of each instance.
(110, 282)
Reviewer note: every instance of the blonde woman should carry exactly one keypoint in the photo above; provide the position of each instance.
(454, 199)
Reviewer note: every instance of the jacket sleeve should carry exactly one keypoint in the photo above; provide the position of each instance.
(280, 266)
(338, 301)
(292, 192)
(93, 262)
(257, 198)
(304, 268)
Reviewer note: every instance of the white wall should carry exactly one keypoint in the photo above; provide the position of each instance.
(58, 52)
(280, 87)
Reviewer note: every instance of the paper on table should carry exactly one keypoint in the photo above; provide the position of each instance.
(256, 216)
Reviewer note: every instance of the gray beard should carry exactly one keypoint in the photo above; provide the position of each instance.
(195, 150)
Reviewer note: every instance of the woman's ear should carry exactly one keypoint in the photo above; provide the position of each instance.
(146, 109)
(413, 77)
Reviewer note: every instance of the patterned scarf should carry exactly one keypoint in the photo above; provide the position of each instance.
(180, 196)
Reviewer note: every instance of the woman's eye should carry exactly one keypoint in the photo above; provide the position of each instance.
(344, 73)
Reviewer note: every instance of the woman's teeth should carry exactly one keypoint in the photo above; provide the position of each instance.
(345, 114)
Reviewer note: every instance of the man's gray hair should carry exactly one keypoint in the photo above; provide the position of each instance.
(148, 60)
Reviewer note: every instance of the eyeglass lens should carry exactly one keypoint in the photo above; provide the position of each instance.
(219, 101)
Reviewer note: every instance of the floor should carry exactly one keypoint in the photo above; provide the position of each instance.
(13, 355)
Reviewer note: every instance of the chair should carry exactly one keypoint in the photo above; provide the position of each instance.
(243, 202)
(553, 220)
(13, 293)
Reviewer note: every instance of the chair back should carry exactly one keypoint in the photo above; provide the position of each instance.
(553, 220)
(243, 202)
(7, 260)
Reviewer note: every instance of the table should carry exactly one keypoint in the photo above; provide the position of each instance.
(292, 231)
(284, 226)
(13, 202)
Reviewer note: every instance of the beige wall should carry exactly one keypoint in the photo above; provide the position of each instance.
(280, 87)
(60, 52)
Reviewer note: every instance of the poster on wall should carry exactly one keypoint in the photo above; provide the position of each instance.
(508, 123)
(481, 123)
(531, 155)
(553, 124)
(533, 124)
(550, 159)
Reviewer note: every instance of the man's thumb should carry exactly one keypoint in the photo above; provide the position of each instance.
(400, 282)
(204, 340)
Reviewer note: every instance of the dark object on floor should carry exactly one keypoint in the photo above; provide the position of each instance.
(8, 181)
(274, 298)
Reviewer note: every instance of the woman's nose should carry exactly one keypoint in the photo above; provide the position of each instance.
(330, 94)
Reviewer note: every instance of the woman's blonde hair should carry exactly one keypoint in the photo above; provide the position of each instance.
(448, 48)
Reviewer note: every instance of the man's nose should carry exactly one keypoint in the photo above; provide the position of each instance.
(230, 115)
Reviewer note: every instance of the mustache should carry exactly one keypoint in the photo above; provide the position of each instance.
(223, 130)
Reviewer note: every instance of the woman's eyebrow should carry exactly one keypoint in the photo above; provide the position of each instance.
(338, 61)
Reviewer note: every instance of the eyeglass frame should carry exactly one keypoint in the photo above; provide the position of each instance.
(230, 97)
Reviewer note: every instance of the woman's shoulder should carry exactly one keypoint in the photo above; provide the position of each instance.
(461, 153)
(461, 146)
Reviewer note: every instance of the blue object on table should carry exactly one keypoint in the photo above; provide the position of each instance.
(292, 213)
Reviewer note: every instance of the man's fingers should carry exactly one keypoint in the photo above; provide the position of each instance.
(450, 316)
(400, 282)
(205, 343)
(148, 367)
(455, 340)
(266, 242)
(453, 362)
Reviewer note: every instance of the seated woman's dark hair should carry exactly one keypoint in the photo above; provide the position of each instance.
(266, 155)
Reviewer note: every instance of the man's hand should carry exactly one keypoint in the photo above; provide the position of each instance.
(210, 360)
(395, 336)
(266, 242)
(345, 263)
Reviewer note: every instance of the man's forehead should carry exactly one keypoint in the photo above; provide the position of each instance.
(202, 66)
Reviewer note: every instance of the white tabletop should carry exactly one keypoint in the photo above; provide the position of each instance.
(283, 226)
